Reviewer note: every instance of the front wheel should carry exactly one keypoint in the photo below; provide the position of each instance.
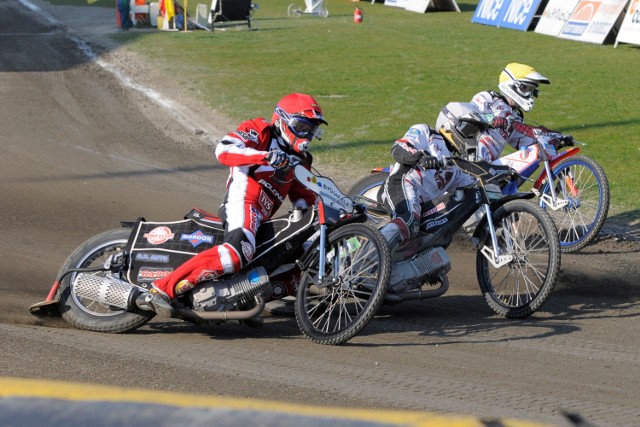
(88, 314)
(528, 237)
(582, 182)
(333, 309)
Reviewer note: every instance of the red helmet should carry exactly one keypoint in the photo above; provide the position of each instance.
(298, 117)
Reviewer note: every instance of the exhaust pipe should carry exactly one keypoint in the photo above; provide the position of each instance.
(419, 294)
(121, 294)
(106, 290)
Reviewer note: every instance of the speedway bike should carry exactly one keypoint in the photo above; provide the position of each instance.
(577, 195)
(337, 266)
(516, 241)
(572, 187)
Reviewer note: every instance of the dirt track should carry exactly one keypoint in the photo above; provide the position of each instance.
(79, 153)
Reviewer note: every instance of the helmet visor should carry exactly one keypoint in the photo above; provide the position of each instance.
(527, 90)
(304, 128)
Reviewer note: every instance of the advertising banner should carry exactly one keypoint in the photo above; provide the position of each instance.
(514, 14)
(592, 21)
(630, 29)
(421, 6)
(555, 16)
(396, 3)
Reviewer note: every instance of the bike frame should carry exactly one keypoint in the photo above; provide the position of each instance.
(526, 163)
(332, 205)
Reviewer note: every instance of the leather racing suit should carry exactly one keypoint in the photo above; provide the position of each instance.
(409, 184)
(254, 192)
(512, 130)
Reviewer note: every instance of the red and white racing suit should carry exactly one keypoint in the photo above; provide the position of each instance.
(492, 141)
(409, 185)
(255, 191)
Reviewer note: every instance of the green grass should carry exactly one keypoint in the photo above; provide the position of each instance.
(398, 68)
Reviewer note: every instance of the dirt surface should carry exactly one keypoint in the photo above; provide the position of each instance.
(82, 149)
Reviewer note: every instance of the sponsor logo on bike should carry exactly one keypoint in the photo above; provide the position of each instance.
(147, 257)
(147, 274)
(159, 235)
(197, 238)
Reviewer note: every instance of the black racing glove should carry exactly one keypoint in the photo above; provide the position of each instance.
(277, 159)
(567, 140)
(429, 162)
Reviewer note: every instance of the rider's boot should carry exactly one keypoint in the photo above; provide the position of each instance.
(470, 224)
(156, 300)
(392, 233)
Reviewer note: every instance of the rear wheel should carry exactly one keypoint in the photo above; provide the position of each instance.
(88, 314)
(366, 192)
(582, 182)
(357, 269)
(528, 235)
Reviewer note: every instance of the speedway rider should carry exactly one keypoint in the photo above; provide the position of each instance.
(257, 153)
(417, 176)
(518, 85)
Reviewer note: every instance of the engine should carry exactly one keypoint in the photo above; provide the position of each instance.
(425, 266)
(236, 293)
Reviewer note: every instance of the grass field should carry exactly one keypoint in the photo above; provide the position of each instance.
(397, 68)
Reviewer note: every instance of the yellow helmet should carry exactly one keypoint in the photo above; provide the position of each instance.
(519, 83)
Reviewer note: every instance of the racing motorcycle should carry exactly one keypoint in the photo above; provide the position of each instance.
(337, 265)
(577, 195)
(517, 244)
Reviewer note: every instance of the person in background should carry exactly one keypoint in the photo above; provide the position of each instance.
(124, 9)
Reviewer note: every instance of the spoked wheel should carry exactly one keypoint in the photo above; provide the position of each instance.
(357, 267)
(528, 237)
(88, 314)
(294, 11)
(582, 182)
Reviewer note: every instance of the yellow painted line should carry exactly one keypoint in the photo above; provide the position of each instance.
(30, 388)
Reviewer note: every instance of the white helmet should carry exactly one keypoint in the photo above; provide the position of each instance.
(519, 83)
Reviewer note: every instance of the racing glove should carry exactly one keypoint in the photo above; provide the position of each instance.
(499, 122)
(277, 159)
(567, 140)
(429, 162)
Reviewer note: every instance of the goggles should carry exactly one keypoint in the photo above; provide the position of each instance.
(527, 89)
(304, 128)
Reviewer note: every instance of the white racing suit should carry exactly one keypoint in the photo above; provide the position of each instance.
(492, 141)
(409, 185)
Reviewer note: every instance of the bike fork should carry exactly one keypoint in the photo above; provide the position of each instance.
(552, 200)
(494, 256)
